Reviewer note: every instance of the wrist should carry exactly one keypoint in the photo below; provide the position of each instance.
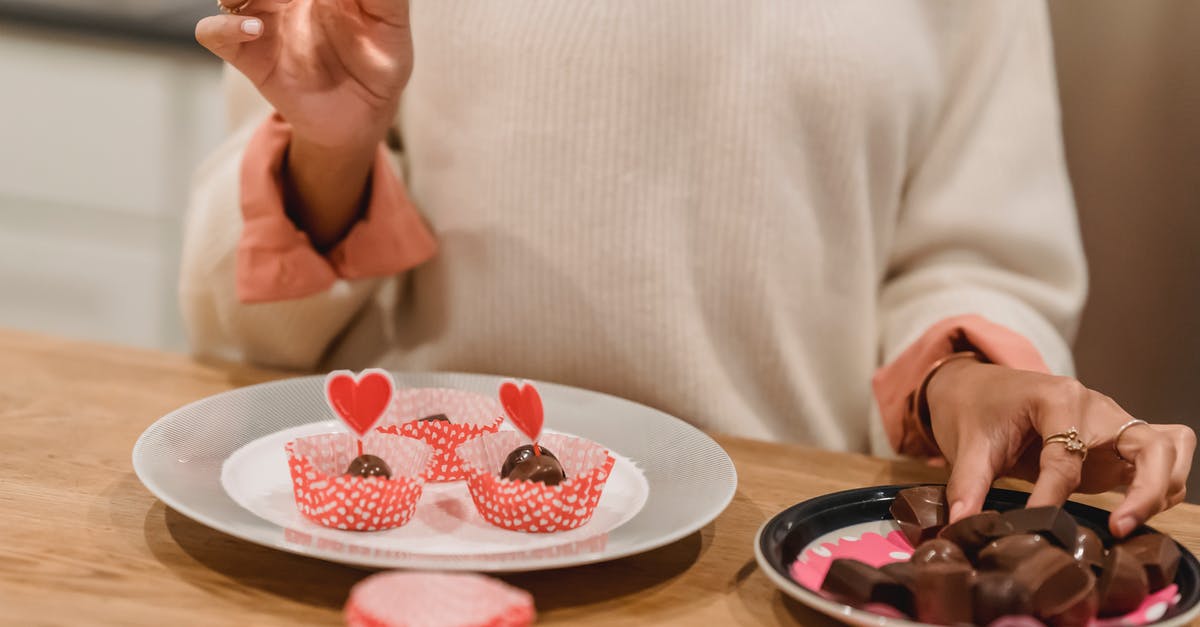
(325, 187)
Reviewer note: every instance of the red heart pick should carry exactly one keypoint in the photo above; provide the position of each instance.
(359, 401)
(524, 407)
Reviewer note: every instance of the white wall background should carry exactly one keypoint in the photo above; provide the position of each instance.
(98, 139)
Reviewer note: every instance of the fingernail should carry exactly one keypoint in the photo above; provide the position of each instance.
(252, 26)
(1125, 525)
(956, 510)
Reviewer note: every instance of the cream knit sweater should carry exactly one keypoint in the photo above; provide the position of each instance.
(731, 211)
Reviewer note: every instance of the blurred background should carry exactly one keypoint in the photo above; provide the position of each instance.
(109, 106)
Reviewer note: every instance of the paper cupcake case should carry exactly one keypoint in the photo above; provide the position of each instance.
(532, 506)
(471, 415)
(332, 499)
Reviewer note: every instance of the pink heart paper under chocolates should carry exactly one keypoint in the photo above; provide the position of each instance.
(467, 416)
(322, 467)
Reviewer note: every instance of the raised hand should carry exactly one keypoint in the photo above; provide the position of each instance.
(334, 70)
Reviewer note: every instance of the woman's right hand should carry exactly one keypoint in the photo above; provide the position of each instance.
(334, 70)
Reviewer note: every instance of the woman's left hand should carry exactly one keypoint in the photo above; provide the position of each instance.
(990, 421)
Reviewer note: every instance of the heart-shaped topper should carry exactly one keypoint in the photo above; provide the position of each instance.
(359, 400)
(523, 405)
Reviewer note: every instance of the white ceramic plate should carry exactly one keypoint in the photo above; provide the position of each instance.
(688, 477)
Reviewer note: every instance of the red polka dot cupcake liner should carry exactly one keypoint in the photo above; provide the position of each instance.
(470, 415)
(414, 599)
(532, 506)
(328, 497)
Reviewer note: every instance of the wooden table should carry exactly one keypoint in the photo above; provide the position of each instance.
(82, 542)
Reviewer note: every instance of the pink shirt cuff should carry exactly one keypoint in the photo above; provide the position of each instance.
(897, 382)
(275, 259)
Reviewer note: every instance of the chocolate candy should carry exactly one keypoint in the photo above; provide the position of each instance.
(942, 593)
(369, 466)
(921, 512)
(1089, 550)
(1062, 589)
(857, 583)
(523, 464)
(1123, 584)
(1016, 621)
(904, 572)
(1008, 552)
(434, 418)
(997, 594)
(1159, 556)
(937, 551)
(974, 532)
(1051, 521)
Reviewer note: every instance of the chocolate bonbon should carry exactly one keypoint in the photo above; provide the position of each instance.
(942, 593)
(526, 464)
(974, 532)
(1089, 550)
(369, 466)
(859, 584)
(1060, 586)
(937, 551)
(1008, 552)
(1123, 583)
(921, 512)
(1159, 556)
(1053, 522)
(435, 418)
(997, 594)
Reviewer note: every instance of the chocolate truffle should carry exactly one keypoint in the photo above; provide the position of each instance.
(974, 532)
(942, 594)
(1159, 556)
(524, 465)
(1008, 552)
(1123, 584)
(434, 418)
(921, 512)
(369, 466)
(1089, 550)
(936, 551)
(857, 584)
(1062, 589)
(997, 594)
(1051, 521)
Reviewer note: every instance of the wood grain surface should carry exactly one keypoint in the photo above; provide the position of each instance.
(83, 543)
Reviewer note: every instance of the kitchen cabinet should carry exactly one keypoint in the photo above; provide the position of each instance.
(99, 136)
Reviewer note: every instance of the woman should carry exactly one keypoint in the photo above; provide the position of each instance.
(740, 213)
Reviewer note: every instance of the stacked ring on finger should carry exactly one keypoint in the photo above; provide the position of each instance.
(1071, 440)
(1121, 432)
(233, 10)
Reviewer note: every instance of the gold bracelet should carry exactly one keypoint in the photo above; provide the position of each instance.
(924, 420)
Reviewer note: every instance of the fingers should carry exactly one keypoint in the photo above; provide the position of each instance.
(1153, 456)
(224, 34)
(1183, 440)
(1058, 476)
(970, 480)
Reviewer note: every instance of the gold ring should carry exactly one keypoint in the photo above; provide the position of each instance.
(233, 10)
(1071, 440)
(1121, 432)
